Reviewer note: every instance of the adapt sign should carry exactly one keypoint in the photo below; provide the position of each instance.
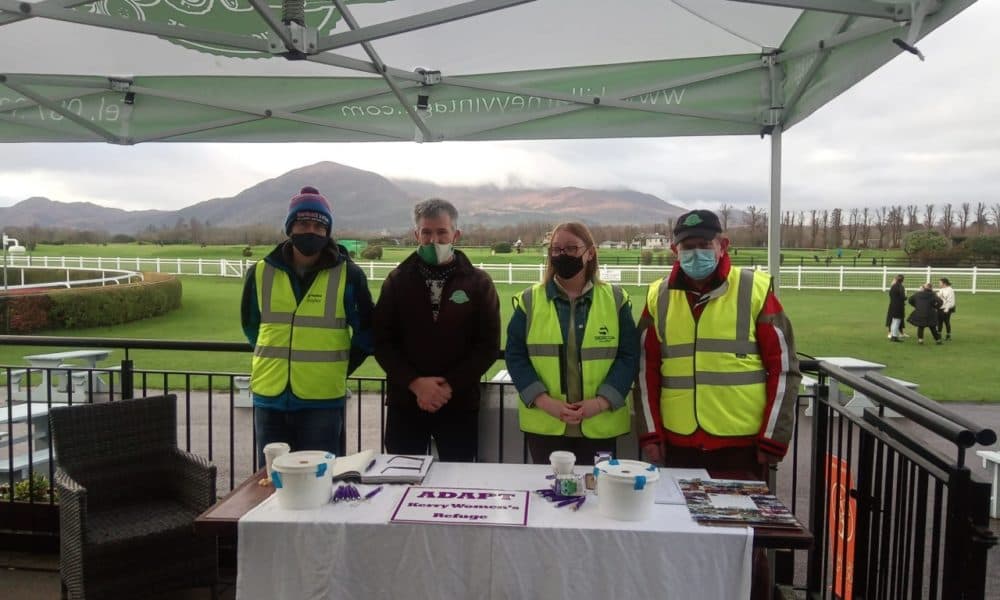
(462, 506)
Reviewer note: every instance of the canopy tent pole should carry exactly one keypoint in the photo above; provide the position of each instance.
(774, 218)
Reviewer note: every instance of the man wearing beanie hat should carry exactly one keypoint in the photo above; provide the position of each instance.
(719, 375)
(307, 311)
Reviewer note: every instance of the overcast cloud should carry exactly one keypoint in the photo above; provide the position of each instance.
(912, 133)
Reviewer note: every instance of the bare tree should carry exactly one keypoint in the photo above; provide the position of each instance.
(896, 224)
(947, 219)
(928, 216)
(912, 214)
(963, 217)
(814, 228)
(852, 226)
(866, 226)
(801, 228)
(995, 211)
(837, 227)
(881, 223)
(825, 223)
(981, 220)
(755, 217)
(724, 212)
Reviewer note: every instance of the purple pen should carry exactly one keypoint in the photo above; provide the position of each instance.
(372, 493)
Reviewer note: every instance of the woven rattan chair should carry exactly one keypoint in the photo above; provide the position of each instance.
(128, 497)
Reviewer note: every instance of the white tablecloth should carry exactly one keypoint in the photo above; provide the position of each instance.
(343, 551)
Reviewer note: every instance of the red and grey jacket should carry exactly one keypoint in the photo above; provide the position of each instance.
(777, 352)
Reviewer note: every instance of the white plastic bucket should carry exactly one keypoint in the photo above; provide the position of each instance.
(304, 479)
(626, 489)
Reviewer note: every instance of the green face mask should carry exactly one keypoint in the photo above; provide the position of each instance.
(435, 254)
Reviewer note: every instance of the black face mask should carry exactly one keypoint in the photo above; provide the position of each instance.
(309, 244)
(566, 266)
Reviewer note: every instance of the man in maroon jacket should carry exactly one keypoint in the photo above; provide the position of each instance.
(437, 331)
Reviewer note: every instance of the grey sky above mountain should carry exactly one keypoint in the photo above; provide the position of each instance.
(912, 133)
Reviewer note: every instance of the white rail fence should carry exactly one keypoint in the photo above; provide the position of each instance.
(841, 278)
(63, 277)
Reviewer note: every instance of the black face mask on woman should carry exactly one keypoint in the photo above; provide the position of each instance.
(308, 243)
(566, 266)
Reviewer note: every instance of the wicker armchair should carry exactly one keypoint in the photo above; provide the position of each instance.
(128, 497)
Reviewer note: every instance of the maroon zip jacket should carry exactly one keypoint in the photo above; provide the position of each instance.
(460, 346)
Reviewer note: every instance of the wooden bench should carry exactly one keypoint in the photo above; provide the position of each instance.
(39, 459)
(991, 460)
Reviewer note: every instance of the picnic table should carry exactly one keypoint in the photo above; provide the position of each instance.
(854, 366)
(57, 373)
(37, 417)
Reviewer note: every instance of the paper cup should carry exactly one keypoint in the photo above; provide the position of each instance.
(273, 451)
(562, 462)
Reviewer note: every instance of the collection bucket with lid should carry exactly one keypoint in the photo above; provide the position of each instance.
(626, 489)
(303, 479)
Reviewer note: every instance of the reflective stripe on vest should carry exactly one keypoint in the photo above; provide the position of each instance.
(304, 344)
(711, 373)
(597, 353)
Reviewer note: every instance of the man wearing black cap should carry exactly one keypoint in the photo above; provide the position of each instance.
(307, 311)
(720, 374)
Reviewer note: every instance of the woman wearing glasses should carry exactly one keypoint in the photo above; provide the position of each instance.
(573, 353)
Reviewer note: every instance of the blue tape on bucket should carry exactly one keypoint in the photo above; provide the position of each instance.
(320, 469)
(640, 482)
(613, 461)
(651, 468)
(596, 471)
(276, 479)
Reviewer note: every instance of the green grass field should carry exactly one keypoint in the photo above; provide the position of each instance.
(826, 323)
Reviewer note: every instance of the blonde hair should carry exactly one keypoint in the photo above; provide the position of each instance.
(579, 230)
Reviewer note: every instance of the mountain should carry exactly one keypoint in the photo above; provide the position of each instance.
(361, 201)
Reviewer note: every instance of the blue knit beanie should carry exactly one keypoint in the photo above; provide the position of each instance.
(309, 205)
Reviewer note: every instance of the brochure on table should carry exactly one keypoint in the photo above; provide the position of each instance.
(735, 502)
(462, 506)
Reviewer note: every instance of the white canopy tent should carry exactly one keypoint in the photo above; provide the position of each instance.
(132, 71)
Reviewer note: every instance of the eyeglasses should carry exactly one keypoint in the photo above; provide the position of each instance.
(570, 250)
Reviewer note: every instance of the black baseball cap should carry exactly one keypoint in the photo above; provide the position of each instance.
(697, 223)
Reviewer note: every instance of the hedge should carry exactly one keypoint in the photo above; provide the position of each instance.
(90, 307)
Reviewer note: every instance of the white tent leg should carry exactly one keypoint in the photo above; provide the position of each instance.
(774, 218)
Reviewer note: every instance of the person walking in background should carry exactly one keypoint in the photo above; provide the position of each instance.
(437, 331)
(925, 305)
(947, 295)
(897, 309)
(307, 312)
(573, 353)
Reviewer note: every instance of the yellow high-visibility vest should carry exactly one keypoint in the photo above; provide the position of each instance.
(306, 344)
(597, 353)
(711, 372)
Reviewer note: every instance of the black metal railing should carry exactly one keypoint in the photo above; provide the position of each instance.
(893, 515)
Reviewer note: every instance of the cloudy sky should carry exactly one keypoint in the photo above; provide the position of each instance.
(912, 133)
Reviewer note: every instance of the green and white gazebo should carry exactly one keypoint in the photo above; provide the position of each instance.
(135, 71)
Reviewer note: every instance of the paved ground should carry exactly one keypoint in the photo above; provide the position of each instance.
(36, 576)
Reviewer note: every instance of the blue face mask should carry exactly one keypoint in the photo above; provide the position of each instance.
(698, 263)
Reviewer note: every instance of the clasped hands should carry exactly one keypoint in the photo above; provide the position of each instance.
(432, 392)
(572, 414)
